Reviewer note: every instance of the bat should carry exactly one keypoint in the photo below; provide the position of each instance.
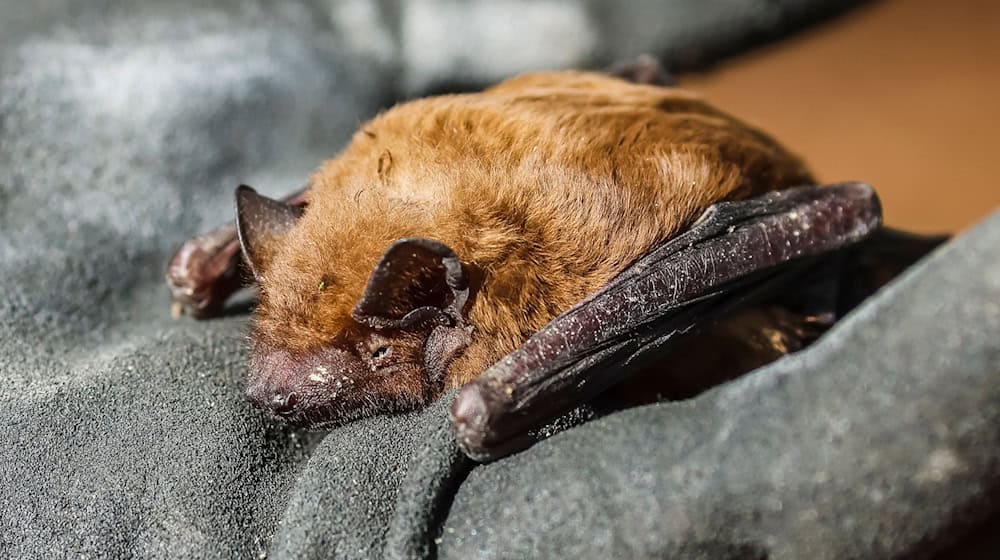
(535, 245)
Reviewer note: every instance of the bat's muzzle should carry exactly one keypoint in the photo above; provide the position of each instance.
(302, 388)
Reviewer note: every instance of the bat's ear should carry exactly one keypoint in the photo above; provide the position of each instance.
(259, 222)
(417, 280)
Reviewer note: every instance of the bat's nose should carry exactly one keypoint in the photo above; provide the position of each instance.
(283, 403)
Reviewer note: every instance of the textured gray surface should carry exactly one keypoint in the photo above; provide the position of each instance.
(122, 132)
(125, 432)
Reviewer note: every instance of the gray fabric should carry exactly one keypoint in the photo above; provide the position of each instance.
(123, 128)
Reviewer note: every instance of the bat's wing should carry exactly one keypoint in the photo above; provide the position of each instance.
(736, 253)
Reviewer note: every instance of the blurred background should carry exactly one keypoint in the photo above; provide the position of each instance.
(899, 93)
(903, 94)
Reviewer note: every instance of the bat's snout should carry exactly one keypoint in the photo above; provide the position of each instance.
(303, 387)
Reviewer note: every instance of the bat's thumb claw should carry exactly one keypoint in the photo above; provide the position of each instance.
(473, 412)
(469, 411)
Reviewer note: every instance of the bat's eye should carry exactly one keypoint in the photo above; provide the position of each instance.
(381, 353)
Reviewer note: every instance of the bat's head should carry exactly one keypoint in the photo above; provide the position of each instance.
(319, 360)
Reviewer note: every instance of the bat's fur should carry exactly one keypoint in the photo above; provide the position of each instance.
(546, 186)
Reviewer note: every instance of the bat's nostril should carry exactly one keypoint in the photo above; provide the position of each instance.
(283, 403)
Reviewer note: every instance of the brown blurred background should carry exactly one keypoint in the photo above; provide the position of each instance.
(902, 94)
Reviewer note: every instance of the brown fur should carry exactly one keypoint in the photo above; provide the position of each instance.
(546, 186)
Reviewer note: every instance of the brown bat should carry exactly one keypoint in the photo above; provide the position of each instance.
(535, 243)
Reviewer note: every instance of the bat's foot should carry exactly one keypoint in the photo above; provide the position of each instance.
(203, 273)
(645, 69)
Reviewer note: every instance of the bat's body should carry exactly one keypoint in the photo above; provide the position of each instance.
(500, 210)
(546, 187)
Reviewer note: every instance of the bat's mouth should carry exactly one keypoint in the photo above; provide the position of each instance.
(736, 253)
(317, 420)
(306, 389)
(313, 409)
(324, 416)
